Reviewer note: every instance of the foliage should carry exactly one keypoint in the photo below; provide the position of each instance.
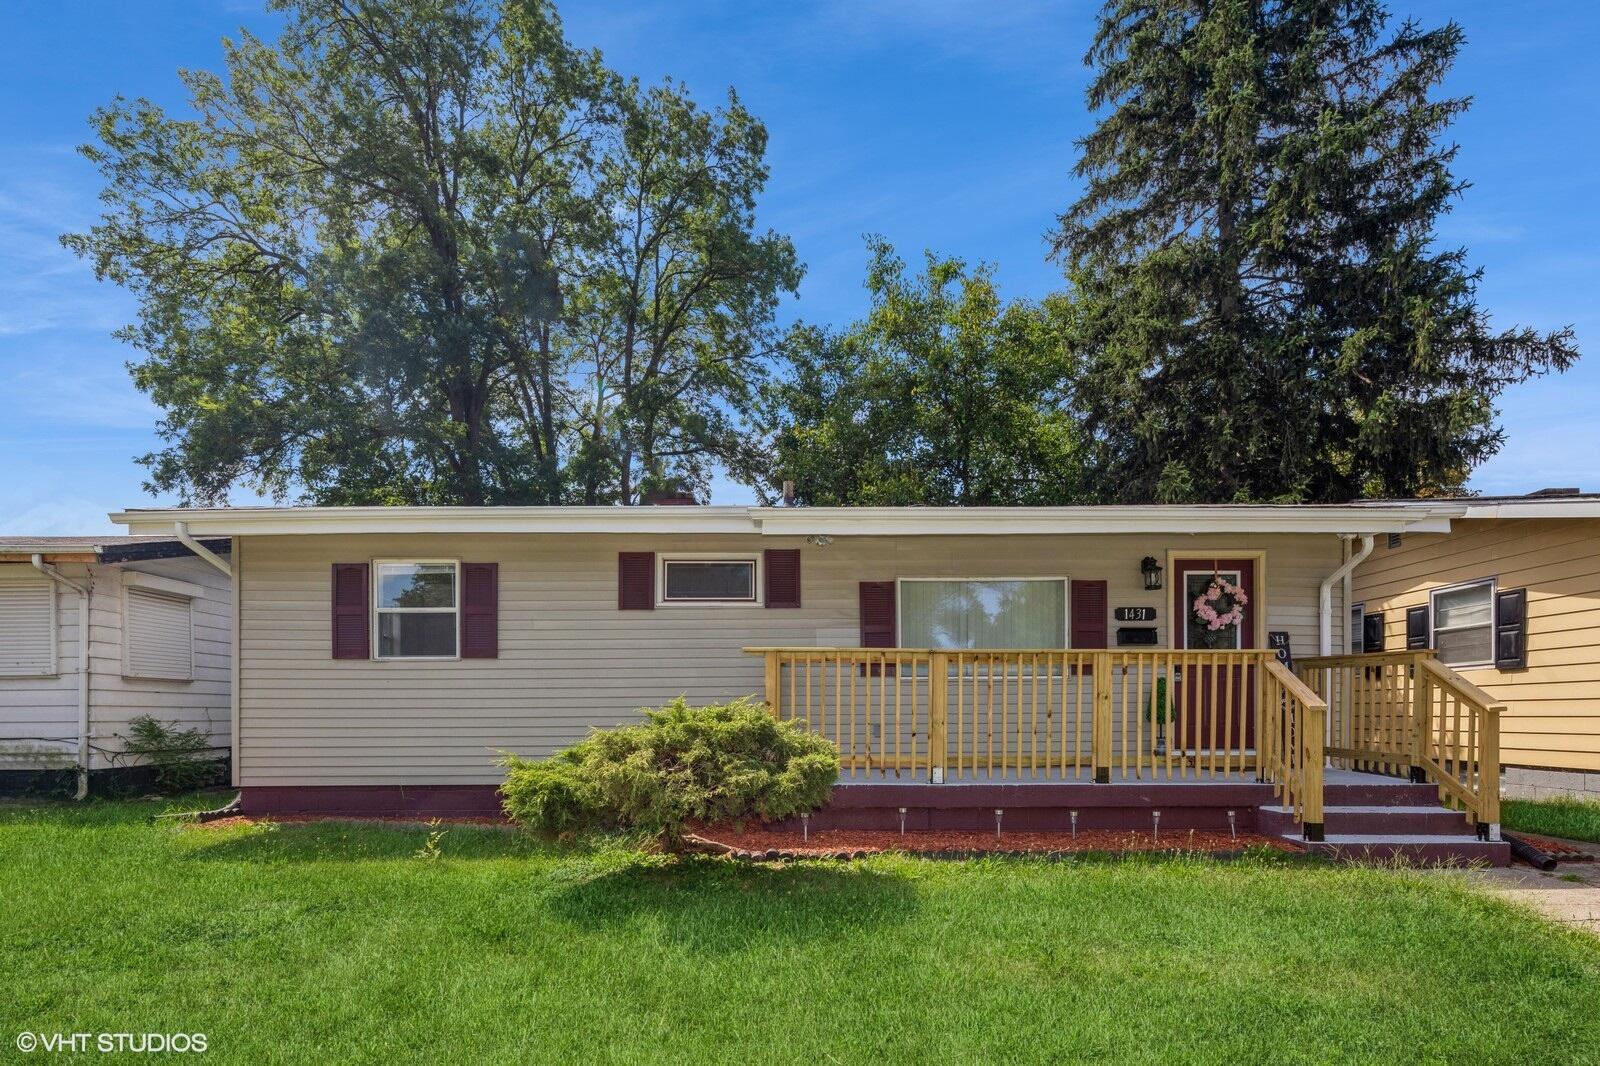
(323, 934)
(943, 394)
(373, 267)
(1156, 708)
(720, 763)
(1261, 305)
(1570, 819)
(181, 758)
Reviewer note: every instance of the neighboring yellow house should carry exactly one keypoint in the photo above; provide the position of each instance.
(1510, 598)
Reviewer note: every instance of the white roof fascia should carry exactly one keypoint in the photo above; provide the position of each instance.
(797, 521)
(1535, 509)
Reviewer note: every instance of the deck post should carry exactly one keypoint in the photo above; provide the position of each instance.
(938, 713)
(774, 683)
(1421, 722)
(1489, 772)
(1100, 726)
(1311, 745)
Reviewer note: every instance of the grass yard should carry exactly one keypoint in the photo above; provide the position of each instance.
(1569, 818)
(341, 943)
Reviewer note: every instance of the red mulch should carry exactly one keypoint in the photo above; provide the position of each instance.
(854, 843)
(1561, 849)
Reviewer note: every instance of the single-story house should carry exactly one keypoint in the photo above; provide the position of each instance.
(1106, 661)
(159, 644)
(1509, 597)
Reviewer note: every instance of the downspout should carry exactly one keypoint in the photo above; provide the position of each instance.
(1325, 594)
(182, 530)
(83, 669)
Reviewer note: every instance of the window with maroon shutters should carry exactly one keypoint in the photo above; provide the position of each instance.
(351, 622)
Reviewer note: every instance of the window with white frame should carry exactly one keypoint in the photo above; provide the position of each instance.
(27, 626)
(983, 613)
(705, 579)
(415, 607)
(1462, 617)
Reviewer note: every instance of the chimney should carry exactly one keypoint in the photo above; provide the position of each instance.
(670, 498)
(788, 494)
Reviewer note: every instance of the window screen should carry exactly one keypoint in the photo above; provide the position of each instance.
(1027, 613)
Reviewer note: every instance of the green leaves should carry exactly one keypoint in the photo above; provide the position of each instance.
(386, 260)
(943, 394)
(1260, 305)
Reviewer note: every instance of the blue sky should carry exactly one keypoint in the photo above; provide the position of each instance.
(944, 124)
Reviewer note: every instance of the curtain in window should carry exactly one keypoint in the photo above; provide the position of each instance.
(983, 614)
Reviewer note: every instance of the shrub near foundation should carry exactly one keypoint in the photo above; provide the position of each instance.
(726, 762)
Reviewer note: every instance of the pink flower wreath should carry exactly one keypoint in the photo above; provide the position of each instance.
(1206, 611)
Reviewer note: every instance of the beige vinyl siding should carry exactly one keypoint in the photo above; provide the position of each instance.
(1552, 715)
(27, 626)
(570, 660)
(39, 716)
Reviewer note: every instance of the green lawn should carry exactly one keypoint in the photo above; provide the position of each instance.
(1569, 818)
(337, 943)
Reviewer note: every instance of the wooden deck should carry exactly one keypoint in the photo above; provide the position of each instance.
(1119, 719)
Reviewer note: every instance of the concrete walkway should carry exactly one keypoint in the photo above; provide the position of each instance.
(1570, 894)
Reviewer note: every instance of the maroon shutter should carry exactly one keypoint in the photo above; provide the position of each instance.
(1088, 615)
(781, 568)
(877, 614)
(351, 626)
(480, 610)
(636, 581)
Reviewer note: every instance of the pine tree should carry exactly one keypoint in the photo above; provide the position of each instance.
(1263, 308)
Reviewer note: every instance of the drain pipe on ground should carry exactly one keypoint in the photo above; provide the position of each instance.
(83, 668)
(1325, 594)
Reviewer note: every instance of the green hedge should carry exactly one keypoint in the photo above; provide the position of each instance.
(721, 763)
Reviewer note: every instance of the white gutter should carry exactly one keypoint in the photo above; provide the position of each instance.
(83, 669)
(1325, 594)
(182, 531)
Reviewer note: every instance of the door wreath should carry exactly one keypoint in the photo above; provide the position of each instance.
(1221, 605)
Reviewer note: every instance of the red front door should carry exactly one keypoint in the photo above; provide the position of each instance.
(1218, 701)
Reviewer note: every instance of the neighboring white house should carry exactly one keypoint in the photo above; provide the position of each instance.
(160, 644)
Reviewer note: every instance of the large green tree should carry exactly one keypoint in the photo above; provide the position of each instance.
(1259, 297)
(943, 394)
(367, 265)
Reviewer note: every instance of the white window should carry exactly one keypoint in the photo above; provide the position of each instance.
(27, 627)
(709, 579)
(983, 613)
(1462, 617)
(158, 642)
(415, 609)
(1358, 629)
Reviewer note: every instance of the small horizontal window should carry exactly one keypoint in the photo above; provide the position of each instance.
(708, 580)
(416, 610)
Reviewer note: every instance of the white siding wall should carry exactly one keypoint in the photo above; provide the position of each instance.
(569, 660)
(48, 707)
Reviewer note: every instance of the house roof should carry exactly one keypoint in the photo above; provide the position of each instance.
(1546, 503)
(1423, 516)
(110, 548)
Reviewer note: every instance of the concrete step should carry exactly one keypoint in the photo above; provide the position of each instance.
(1384, 794)
(1374, 819)
(1426, 849)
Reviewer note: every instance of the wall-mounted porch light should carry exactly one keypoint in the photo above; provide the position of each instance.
(1152, 573)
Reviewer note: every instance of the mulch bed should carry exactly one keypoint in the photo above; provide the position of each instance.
(1561, 849)
(759, 844)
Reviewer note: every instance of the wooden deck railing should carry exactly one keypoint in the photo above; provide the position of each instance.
(1051, 714)
(1406, 713)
